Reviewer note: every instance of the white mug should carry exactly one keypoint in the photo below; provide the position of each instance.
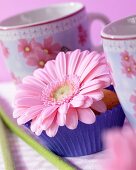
(119, 42)
(30, 39)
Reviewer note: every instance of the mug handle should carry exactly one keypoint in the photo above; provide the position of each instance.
(104, 19)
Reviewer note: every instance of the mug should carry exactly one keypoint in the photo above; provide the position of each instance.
(30, 39)
(119, 43)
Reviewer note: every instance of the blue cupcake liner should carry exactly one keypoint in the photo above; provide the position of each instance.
(85, 139)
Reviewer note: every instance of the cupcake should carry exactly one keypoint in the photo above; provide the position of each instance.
(65, 103)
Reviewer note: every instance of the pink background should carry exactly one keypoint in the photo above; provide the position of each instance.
(113, 9)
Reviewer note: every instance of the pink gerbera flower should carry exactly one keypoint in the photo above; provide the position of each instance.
(122, 150)
(28, 48)
(63, 92)
(4, 49)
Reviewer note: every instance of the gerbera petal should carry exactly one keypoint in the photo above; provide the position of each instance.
(99, 70)
(38, 131)
(32, 80)
(77, 101)
(80, 60)
(35, 123)
(86, 115)
(28, 88)
(28, 101)
(52, 130)
(84, 63)
(48, 111)
(61, 116)
(50, 69)
(87, 103)
(73, 59)
(94, 85)
(63, 108)
(89, 83)
(72, 118)
(60, 64)
(94, 61)
(41, 75)
(48, 121)
(18, 112)
(90, 89)
(28, 93)
(95, 95)
(29, 114)
(106, 80)
(99, 106)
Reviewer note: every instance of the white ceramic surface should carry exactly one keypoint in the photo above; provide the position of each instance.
(121, 29)
(38, 16)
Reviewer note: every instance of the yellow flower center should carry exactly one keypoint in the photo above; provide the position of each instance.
(46, 51)
(58, 92)
(27, 49)
(61, 92)
(41, 63)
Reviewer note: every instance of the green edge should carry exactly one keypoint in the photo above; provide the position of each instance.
(5, 148)
(48, 155)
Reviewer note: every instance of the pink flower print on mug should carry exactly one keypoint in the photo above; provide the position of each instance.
(15, 79)
(50, 48)
(128, 64)
(82, 33)
(26, 47)
(111, 73)
(4, 50)
(125, 56)
(38, 59)
(133, 101)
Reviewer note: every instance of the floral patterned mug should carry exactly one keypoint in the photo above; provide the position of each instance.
(119, 42)
(30, 39)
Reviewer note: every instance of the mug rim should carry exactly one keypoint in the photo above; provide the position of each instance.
(111, 36)
(5, 28)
